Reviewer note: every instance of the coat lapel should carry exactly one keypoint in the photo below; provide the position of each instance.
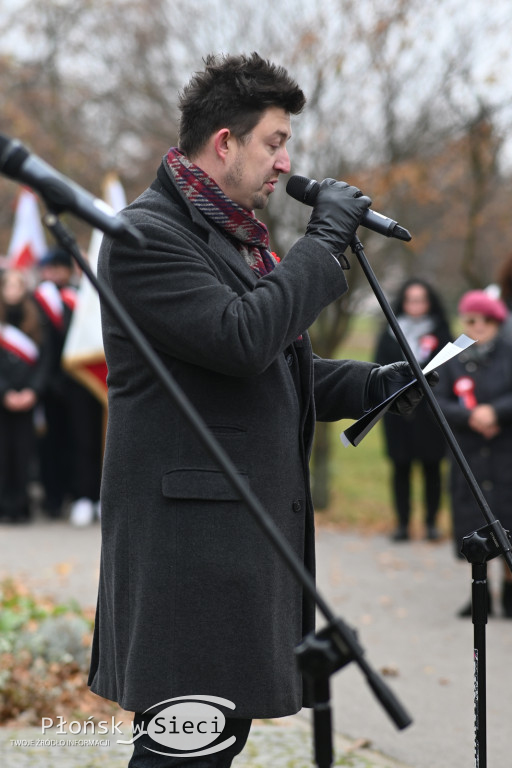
(228, 252)
(217, 240)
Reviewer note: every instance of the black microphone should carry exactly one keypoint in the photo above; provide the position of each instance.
(305, 191)
(61, 194)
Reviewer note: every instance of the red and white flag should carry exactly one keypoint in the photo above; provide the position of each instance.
(83, 355)
(28, 243)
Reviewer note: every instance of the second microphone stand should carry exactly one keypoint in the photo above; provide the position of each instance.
(495, 536)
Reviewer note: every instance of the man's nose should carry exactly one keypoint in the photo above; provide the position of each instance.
(282, 163)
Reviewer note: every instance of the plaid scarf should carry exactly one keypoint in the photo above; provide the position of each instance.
(250, 235)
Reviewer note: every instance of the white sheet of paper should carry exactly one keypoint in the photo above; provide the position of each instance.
(448, 351)
(360, 428)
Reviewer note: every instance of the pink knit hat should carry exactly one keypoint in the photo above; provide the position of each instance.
(481, 303)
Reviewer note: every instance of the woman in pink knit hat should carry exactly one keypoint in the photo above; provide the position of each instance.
(475, 393)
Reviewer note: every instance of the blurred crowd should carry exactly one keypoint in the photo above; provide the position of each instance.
(475, 395)
(51, 425)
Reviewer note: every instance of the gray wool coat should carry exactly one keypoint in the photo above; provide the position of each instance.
(193, 598)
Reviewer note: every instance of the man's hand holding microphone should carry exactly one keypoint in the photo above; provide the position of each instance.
(338, 210)
(337, 213)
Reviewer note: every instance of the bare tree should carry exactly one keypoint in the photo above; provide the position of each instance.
(397, 105)
(93, 86)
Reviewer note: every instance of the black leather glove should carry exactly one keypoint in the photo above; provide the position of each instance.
(336, 215)
(388, 379)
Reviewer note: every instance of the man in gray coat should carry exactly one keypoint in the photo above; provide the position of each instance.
(193, 599)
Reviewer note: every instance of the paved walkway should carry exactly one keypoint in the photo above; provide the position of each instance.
(401, 598)
(288, 745)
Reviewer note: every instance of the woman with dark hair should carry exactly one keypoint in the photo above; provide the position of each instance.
(23, 371)
(416, 437)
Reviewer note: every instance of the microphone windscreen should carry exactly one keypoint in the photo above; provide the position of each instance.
(12, 156)
(303, 189)
(4, 143)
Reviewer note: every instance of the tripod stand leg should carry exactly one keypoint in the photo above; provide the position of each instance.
(479, 616)
(322, 723)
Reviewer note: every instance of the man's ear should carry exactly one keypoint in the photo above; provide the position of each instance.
(222, 142)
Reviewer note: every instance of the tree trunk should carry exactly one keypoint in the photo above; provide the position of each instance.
(327, 335)
(320, 486)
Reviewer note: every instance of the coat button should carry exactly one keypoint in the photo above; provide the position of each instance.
(289, 359)
(487, 485)
(297, 505)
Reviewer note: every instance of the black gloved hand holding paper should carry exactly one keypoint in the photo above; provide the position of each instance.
(385, 380)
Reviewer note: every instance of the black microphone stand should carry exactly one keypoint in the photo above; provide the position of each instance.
(478, 547)
(318, 656)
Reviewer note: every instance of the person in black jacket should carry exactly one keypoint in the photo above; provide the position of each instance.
(71, 445)
(193, 599)
(475, 394)
(55, 297)
(23, 374)
(417, 437)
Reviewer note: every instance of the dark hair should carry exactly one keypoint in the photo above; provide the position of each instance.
(505, 281)
(56, 257)
(232, 92)
(436, 308)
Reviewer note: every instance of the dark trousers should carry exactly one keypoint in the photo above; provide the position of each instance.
(431, 490)
(143, 758)
(86, 422)
(71, 448)
(17, 446)
(55, 452)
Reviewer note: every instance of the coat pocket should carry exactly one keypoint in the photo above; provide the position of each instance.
(201, 484)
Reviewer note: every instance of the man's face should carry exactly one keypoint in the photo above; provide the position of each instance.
(254, 167)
